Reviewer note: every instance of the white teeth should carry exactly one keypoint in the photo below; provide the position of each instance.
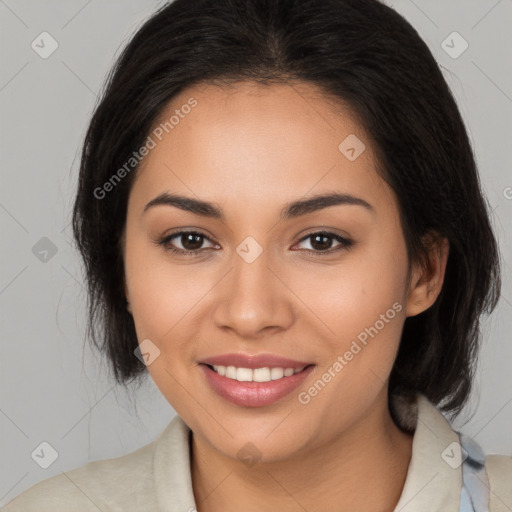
(257, 375)
(276, 373)
(231, 372)
(244, 374)
(261, 375)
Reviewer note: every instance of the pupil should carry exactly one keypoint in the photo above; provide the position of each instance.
(185, 240)
(323, 245)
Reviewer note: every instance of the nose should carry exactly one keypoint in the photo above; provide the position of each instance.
(253, 298)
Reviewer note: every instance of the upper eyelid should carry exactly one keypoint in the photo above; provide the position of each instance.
(177, 234)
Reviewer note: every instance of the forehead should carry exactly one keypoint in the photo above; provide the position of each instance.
(259, 144)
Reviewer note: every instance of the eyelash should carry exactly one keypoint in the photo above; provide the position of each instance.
(345, 243)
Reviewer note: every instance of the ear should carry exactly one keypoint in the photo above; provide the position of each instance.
(427, 280)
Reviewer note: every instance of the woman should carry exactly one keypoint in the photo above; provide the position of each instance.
(281, 221)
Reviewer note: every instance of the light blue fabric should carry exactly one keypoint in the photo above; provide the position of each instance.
(475, 492)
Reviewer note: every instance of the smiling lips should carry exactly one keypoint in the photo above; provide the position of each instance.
(254, 381)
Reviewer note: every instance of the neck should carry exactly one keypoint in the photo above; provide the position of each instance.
(374, 454)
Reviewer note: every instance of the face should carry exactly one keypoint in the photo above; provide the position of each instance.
(323, 286)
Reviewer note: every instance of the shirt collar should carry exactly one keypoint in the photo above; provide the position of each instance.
(434, 478)
(433, 483)
(171, 467)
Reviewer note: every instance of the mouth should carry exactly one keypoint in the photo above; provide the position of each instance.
(254, 387)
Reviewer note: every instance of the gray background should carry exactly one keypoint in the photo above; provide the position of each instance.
(56, 390)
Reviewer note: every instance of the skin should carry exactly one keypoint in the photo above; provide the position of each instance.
(250, 149)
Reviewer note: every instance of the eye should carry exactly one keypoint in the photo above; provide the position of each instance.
(321, 242)
(191, 242)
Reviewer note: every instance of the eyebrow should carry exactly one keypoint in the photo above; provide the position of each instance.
(291, 210)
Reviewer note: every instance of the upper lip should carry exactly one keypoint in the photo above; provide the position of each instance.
(254, 361)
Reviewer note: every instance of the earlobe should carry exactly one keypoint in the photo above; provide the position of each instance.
(427, 282)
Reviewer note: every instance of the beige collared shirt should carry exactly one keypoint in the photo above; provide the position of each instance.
(156, 477)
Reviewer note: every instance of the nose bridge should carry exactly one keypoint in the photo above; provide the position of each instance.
(252, 298)
(250, 270)
(251, 278)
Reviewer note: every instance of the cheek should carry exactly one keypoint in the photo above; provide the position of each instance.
(360, 310)
(353, 294)
(161, 293)
(162, 297)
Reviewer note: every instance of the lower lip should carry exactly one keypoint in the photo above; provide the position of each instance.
(253, 394)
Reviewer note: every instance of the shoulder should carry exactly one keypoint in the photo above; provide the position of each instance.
(499, 472)
(124, 483)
